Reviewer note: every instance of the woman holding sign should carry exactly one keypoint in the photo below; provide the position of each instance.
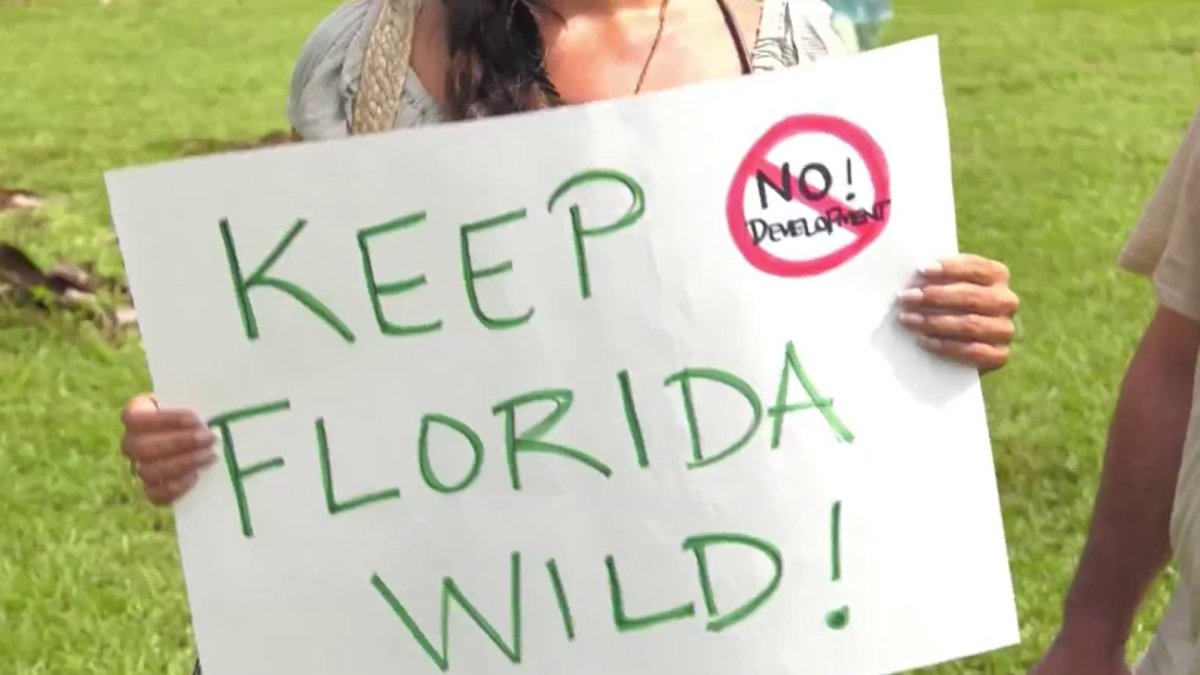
(459, 59)
(379, 65)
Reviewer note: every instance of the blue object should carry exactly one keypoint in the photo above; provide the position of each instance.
(868, 17)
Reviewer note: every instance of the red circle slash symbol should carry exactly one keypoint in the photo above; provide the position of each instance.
(756, 161)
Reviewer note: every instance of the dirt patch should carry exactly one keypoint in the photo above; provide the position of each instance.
(64, 286)
(15, 199)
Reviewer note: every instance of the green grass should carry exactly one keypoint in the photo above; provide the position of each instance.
(1063, 116)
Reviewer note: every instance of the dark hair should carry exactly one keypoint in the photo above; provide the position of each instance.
(497, 58)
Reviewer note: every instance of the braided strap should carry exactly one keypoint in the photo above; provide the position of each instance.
(385, 67)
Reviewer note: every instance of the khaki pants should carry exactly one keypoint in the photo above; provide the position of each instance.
(1173, 648)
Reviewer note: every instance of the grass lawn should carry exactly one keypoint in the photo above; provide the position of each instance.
(1063, 117)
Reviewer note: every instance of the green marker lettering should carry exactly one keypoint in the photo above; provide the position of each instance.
(451, 592)
(631, 419)
(237, 473)
(636, 209)
(839, 618)
(331, 502)
(791, 366)
(471, 274)
(684, 379)
(699, 545)
(377, 291)
(626, 623)
(560, 596)
(427, 472)
(530, 440)
(261, 277)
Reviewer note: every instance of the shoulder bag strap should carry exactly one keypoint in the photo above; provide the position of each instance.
(385, 68)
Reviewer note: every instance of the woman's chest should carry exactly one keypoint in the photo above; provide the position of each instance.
(590, 59)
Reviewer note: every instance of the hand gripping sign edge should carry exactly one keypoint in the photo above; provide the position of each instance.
(877, 167)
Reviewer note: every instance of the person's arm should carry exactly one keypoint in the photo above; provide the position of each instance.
(1128, 544)
(326, 72)
(1129, 541)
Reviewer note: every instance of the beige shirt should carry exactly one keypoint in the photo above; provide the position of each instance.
(1166, 247)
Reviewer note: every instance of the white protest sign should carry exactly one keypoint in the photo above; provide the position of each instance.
(610, 390)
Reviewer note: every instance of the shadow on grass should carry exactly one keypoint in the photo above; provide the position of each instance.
(192, 147)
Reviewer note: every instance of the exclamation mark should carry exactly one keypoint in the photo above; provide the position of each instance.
(849, 179)
(839, 618)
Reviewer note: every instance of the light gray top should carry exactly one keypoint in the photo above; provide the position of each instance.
(325, 81)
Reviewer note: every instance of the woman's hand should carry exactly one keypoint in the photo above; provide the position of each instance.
(166, 448)
(963, 310)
